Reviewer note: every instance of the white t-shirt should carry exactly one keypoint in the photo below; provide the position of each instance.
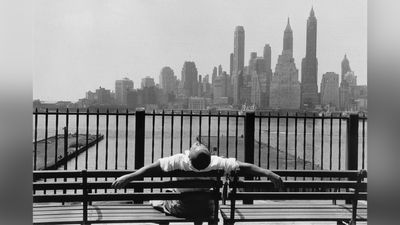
(182, 162)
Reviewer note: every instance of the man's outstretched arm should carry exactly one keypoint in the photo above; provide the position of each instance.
(254, 170)
(153, 169)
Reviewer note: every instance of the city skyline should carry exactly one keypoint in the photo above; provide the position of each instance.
(79, 63)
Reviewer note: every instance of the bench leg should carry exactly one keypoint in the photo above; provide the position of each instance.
(228, 222)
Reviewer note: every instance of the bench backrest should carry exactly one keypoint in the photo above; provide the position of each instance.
(88, 186)
(301, 185)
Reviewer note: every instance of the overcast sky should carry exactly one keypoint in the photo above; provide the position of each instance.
(80, 45)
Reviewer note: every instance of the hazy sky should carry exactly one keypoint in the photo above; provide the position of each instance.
(80, 45)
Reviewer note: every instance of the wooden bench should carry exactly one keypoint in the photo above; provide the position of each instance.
(307, 196)
(86, 197)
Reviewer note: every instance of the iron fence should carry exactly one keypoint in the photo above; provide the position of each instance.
(124, 140)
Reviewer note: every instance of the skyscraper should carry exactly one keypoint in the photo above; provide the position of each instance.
(189, 79)
(345, 67)
(231, 64)
(238, 62)
(122, 87)
(285, 86)
(168, 80)
(238, 50)
(288, 40)
(147, 82)
(309, 66)
(330, 89)
(267, 58)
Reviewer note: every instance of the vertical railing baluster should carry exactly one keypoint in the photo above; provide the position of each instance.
(304, 140)
(56, 145)
(322, 141)
(363, 141)
(340, 141)
(313, 143)
(126, 138)
(286, 140)
(45, 141)
(46, 137)
(218, 129)
(76, 140)
(330, 143)
(172, 132)
(236, 134)
(295, 142)
(152, 140)
(209, 130)
(181, 144)
(152, 135)
(162, 133)
(277, 141)
(259, 140)
(97, 142)
(200, 126)
(56, 141)
(269, 140)
(190, 128)
(87, 139)
(35, 143)
(107, 123)
(66, 136)
(116, 139)
(227, 135)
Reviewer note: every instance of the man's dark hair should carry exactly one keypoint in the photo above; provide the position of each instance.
(201, 159)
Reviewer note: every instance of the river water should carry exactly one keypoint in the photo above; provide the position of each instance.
(115, 148)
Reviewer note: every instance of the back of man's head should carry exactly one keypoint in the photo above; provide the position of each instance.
(200, 157)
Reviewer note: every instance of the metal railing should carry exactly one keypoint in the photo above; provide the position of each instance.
(132, 139)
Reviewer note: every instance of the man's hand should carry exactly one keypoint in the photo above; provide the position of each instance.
(277, 181)
(120, 182)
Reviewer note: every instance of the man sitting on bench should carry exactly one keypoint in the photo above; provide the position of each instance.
(198, 159)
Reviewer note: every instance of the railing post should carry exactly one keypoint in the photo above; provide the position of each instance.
(139, 143)
(249, 142)
(65, 147)
(352, 142)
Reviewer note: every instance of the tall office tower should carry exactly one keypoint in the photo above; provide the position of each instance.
(200, 86)
(189, 79)
(345, 67)
(238, 62)
(168, 80)
(231, 64)
(259, 82)
(330, 89)
(214, 74)
(122, 87)
(285, 86)
(238, 50)
(147, 82)
(267, 59)
(220, 70)
(309, 66)
(288, 40)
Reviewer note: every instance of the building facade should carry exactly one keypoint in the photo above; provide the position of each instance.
(168, 80)
(189, 79)
(238, 62)
(122, 87)
(309, 66)
(285, 86)
(330, 90)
